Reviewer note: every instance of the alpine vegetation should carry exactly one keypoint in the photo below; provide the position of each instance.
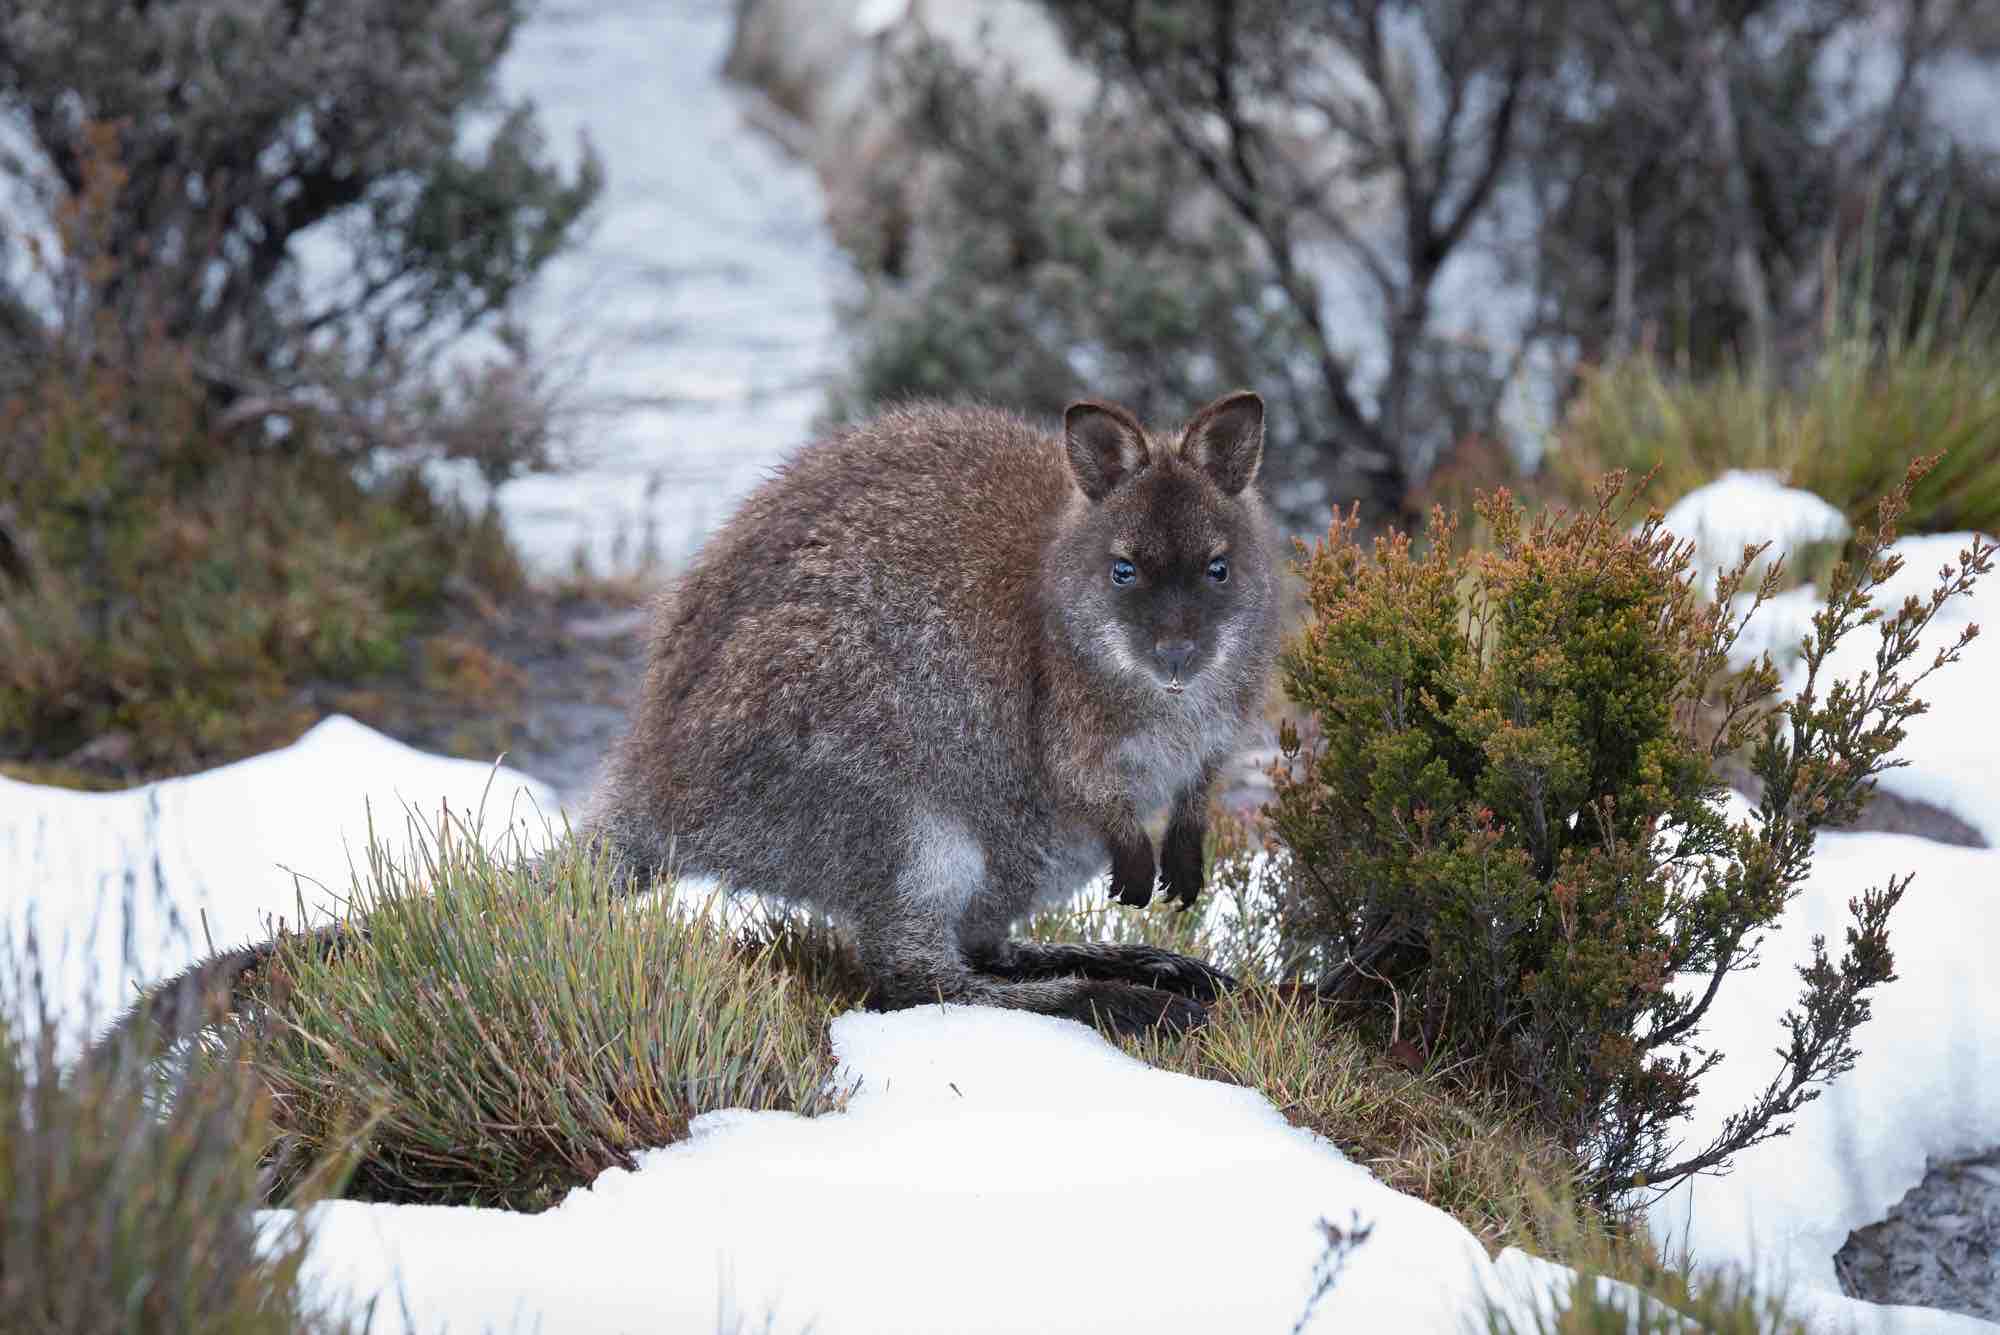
(1503, 818)
(499, 1029)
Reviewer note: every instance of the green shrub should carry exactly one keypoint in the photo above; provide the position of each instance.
(175, 581)
(509, 1027)
(1500, 823)
(129, 1200)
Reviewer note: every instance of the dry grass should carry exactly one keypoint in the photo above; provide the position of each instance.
(511, 1027)
(1884, 388)
(1424, 1133)
(129, 1196)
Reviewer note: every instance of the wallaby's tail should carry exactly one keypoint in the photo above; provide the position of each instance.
(206, 992)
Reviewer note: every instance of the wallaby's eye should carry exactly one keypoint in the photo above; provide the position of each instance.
(1218, 570)
(1123, 572)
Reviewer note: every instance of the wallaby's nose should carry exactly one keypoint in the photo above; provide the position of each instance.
(1174, 655)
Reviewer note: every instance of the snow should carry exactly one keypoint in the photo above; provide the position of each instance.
(1742, 509)
(981, 1142)
(694, 324)
(1927, 1081)
(1953, 746)
(875, 17)
(225, 843)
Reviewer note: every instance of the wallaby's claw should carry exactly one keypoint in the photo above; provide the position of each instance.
(1192, 978)
(1131, 894)
(1133, 875)
(1182, 869)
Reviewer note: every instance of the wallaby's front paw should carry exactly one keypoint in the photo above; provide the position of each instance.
(1133, 873)
(1182, 867)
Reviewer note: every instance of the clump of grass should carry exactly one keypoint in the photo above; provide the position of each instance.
(1881, 389)
(1425, 1133)
(129, 1197)
(1663, 1295)
(509, 1027)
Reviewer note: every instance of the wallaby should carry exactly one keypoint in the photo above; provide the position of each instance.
(937, 670)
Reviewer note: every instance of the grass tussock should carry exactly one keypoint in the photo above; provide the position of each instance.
(1421, 1132)
(1625, 1286)
(1881, 390)
(510, 1027)
(129, 1195)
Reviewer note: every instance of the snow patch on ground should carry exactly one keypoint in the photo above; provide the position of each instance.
(1954, 750)
(1927, 1081)
(982, 1144)
(226, 843)
(1744, 509)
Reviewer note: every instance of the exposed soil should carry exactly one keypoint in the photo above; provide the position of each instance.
(548, 681)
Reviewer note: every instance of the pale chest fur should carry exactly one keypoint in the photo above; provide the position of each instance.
(1166, 759)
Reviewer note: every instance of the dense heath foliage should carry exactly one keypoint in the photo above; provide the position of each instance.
(212, 502)
(1500, 819)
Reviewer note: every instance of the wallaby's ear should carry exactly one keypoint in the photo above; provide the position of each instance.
(1106, 445)
(1226, 440)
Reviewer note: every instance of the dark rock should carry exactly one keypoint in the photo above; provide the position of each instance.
(1939, 1246)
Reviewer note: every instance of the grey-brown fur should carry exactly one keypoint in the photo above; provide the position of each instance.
(900, 686)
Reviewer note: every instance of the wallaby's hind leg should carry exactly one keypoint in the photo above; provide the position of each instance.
(1148, 966)
(907, 973)
(912, 943)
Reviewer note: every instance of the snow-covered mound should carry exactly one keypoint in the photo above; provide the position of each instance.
(995, 1172)
(1927, 1081)
(1742, 509)
(116, 884)
(1954, 750)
